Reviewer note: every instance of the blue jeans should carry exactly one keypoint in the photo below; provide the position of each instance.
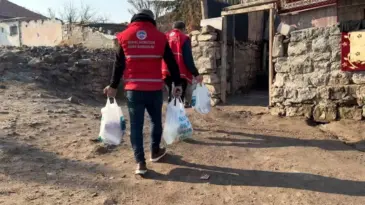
(138, 102)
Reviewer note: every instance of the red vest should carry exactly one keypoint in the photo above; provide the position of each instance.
(176, 41)
(143, 47)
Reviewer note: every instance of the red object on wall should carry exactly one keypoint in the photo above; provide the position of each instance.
(346, 65)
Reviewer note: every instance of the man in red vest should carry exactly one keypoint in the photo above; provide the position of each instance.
(181, 47)
(142, 48)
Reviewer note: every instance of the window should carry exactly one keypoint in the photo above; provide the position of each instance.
(13, 30)
(2, 30)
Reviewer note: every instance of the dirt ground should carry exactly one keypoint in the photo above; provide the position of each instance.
(251, 158)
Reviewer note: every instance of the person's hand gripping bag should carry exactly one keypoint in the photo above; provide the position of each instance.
(112, 127)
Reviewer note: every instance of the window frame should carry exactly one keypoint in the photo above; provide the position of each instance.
(13, 30)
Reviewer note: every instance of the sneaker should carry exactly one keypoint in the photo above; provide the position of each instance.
(141, 169)
(155, 157)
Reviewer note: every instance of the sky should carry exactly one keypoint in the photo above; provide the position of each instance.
(115, 10)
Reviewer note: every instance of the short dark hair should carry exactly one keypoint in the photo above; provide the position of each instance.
(178, 25)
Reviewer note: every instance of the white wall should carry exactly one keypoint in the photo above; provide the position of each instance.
(5, 38)
(41, 32)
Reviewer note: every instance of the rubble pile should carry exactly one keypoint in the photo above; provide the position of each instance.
(74, 67)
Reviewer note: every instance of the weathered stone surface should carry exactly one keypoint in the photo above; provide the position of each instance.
(353, 113)
(207, 29)
(282, 65)
(194, 33)
(197, 53)
(302, 110)
(212, 78)
(335, 66)
(320, 44)
(285, 29)
(359, 78)
(322, 66)
(305, 95)
(205, 65)
(336, 56)
(84, 62)
(34, 62)
(278, 48)
(323, 93)
(318, 80)
(277, 95)
(298, 48)
(209, 44)
(325, 112)
(320, 56)
(280, 79)
(276, 111)
(334, 30)
(300, 65)
(207, 37)
(339, 77)
(210, 52)
(194, 44)
(214, 89)
(337, 92)
(334, 42)
(290, 93)
(214, 101)
(298, 81)
(360, 95)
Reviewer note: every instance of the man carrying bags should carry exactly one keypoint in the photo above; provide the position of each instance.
(142, 49)
(181, 47)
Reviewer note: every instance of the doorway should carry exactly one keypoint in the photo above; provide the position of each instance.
(247, 67)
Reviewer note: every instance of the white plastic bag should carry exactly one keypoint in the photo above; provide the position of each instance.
(177, 125)
(112, 127)
(201, 99)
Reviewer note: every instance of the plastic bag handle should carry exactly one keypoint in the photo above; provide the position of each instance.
(109, 103)
(175, 98)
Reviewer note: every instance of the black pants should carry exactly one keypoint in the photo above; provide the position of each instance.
(138, 102)
(184, 85)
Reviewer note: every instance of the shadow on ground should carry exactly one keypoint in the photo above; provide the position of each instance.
(192, 173)
(263, 141)
(25, 163)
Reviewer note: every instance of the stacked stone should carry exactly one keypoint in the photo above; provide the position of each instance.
(207, 57)
(246, 63)
(76, 67)
(309, 80)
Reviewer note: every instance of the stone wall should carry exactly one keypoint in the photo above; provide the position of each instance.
(41, 32)
(246, 65)
(91, 36)
(309, 81)
(207, 56)
(58, 67)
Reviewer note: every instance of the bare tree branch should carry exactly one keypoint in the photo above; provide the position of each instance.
(69, 13)
(156, 6)
(85, 13)
(51, 13)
